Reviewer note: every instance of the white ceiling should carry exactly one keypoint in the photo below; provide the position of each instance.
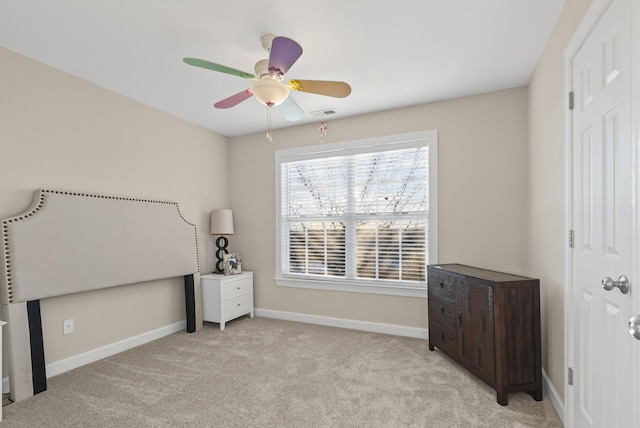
(392, 53)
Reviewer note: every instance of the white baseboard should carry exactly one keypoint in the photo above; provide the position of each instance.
(553, 395)
(58, 367)
(80, 360)
(374, 327)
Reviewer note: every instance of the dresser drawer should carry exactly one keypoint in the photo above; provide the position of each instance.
(442, 336)
(238, 287)
(441, 284)
(442, 310)
(237, 306)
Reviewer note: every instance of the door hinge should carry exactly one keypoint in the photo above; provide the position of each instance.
(571, 239)
(570, 376)
(571, 100)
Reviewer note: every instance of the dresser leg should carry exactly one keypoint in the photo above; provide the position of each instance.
(431, 347)
(503, 398)
(536, 394)
(222, 326)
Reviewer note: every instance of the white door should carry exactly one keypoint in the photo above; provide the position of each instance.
(603, 214)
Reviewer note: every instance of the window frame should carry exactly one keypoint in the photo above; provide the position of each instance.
(393, 142)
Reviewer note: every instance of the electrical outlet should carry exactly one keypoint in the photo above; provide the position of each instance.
(67, 326)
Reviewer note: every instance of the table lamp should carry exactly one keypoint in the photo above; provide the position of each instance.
(221, 225)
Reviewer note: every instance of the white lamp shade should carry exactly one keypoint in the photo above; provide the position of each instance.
(222, 222)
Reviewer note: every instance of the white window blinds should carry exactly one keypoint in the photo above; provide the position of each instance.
(356, 214)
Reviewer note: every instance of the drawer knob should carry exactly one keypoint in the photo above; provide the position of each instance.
(442, 335)
(442, 309)
(441, 284)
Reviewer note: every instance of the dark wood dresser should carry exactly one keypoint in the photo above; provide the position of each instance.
(488, 322)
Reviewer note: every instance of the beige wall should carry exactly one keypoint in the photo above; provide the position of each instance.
(482, 197)
(60, 132)
(547, 235)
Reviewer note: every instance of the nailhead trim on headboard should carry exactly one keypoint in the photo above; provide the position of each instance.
(5, 241)
(38, 206)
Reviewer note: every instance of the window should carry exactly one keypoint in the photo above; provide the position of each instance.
(358, 216)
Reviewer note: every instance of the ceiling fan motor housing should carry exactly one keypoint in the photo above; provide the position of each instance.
(262, 68)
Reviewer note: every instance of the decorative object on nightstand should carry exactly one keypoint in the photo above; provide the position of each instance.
(226, 297)
(232, 264)
(221, 224)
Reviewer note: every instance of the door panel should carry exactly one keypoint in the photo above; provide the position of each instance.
(585, 379)
(612, 370)
(603, 222)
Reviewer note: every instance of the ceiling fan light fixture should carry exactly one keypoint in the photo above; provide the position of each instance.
(270, 92)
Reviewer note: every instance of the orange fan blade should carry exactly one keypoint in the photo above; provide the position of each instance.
(321, 87)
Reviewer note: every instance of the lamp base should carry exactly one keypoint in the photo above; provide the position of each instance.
(221, 243)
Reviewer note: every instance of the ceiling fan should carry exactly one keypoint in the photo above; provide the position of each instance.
(269, 87)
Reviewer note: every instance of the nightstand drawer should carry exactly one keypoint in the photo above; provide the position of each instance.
(237, 306)
(237, 287)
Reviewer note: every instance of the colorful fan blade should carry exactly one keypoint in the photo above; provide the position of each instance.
(284, 53)
(291, 110)
(234, 100)
(217, 67)
(321, 87)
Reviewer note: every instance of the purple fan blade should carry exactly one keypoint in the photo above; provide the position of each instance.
(284, 53)
(234, 100)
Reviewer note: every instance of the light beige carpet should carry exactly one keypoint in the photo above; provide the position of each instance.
(269, 373)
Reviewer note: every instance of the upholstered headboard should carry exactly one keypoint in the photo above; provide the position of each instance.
(69, 242)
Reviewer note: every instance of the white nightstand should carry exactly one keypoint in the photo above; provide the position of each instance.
(225, 297)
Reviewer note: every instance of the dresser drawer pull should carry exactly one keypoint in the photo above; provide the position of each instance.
(441, 284)
(459, 318)
(441, 309)
(442, 335)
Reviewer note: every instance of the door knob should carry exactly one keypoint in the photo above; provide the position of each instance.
(622, 283)
(634, 326)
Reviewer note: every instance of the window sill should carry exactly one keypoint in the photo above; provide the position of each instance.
(383, 288)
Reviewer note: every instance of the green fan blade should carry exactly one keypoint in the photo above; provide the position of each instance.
(217, 67)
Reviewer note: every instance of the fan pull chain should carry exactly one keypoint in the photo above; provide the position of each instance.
(269, 124)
